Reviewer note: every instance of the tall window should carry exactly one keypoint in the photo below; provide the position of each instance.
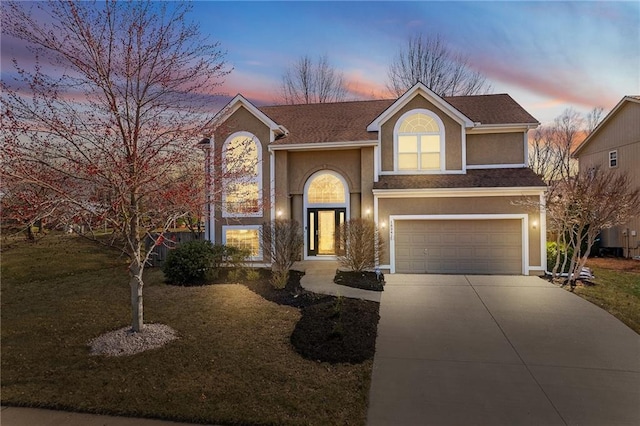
(242, 170)
(419, 138)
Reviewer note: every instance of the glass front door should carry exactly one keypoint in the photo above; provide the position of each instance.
(323, 231)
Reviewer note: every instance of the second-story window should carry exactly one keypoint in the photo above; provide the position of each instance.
(242, 181)
(613, 158)
(419, 142)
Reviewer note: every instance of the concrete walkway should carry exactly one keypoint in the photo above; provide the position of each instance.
(496, 350)
(318, 278)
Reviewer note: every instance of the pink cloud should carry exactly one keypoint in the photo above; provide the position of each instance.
(362, 88)
(557, 84)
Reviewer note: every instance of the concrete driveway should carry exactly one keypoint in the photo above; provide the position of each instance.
(499, 350)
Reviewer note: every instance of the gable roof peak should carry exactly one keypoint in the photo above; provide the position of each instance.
(625, 99)
(422, 90)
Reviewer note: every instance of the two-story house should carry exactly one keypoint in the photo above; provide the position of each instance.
(445, 179)
(615, 145)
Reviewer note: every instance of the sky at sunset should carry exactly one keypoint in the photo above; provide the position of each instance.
(547, 55)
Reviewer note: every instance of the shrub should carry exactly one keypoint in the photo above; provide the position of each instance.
(194, 262)
(252, 275)
(189, 263)
(235, 275)
(362, 244)
(229, 256)
(553, 251)
(283, 242)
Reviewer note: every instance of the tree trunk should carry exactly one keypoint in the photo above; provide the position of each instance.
(136, 284)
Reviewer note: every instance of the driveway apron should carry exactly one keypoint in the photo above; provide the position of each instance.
(499, 350)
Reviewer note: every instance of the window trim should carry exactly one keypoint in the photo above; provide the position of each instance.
(257, 180)
(613, 158)
(258, 228)
(441, 134)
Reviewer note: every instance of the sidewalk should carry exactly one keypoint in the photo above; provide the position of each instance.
(318, 278)
(21, 416)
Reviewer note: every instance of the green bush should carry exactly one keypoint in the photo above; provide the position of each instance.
(552, 253)
(252, 275)
(189, 263)
(195, 262)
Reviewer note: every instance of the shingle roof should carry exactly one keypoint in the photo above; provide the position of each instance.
(348, 121)
(482, 178)
(327, 122)
(492, 109)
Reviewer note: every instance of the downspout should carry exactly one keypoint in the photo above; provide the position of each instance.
(209, 231)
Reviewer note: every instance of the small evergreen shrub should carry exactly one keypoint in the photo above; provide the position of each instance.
(195, 262)
(565, 252)
(189, 263)
(235, 275)
(252, 275)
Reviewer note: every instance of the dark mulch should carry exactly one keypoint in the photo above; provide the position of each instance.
(292, 295)
(340, 330)
(366, 280)
(332, 329)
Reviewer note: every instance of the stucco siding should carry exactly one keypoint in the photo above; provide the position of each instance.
(453, 135)
(302, 164)
(495, 148)
(464, 206)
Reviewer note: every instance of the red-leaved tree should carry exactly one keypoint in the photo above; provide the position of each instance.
(101, 129)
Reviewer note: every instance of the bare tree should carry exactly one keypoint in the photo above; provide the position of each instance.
(551, 146)
(306, 82)
(593, 118)
(112, 122)
(427, 59)
(585, 205)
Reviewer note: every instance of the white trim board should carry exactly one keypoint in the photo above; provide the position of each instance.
(459, 192)
(313, 146)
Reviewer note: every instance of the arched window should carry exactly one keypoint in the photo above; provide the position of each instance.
(419, 142)
(326, 188)
(242, 175)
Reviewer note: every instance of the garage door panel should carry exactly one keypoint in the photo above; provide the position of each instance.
(459, 246)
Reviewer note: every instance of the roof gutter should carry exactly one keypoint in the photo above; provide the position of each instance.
(502, 128)
(321, 145)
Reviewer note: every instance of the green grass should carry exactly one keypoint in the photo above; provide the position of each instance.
(233, 362)
(616, 289)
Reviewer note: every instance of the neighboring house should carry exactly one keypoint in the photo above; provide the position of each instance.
(615, 144)
(445, 179)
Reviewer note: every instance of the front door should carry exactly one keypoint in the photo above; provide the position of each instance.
(323, 235)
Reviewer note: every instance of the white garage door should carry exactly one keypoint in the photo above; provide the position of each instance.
(492, 246)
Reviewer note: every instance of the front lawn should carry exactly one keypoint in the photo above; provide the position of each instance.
(232, 364)
(616, 288)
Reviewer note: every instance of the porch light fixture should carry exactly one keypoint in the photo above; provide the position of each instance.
(534, 224)
(279, 213)
(383, 224)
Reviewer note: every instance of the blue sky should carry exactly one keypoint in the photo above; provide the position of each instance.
(547, 55)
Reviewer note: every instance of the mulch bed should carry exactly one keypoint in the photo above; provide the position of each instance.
(339, 330)
(331, 329)
(365, 280)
